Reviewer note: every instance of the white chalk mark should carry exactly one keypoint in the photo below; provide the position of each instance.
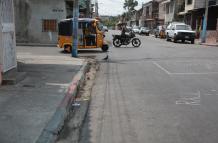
(182, 73)
(200, 73)
(162, 68)
(190, 100)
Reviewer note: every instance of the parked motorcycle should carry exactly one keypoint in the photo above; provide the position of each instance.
(119, 40)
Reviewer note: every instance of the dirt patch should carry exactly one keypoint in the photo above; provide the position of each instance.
(73, 124)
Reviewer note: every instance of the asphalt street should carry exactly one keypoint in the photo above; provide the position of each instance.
(161, 92)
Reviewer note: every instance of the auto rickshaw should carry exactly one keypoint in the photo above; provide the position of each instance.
(89, 34)
(160, 32)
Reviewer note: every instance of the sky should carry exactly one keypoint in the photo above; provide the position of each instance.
(114, 7)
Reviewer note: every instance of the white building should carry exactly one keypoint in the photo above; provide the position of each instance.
(7, 37)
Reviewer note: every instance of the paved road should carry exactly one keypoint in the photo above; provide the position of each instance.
(162, 92)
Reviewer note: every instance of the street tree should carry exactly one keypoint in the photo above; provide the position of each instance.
(130, 5)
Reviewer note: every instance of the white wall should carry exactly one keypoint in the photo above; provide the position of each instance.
(189, 6)
(161, 11)
(7, 36)
(195, 4)
(29, 16)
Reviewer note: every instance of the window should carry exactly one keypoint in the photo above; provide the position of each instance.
(172, 27)
(49, 25)
(147, 11)
(189, 1)
(100, 26)
(167, 8)
(212, 2)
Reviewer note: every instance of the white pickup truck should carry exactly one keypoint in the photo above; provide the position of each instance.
(180, 31)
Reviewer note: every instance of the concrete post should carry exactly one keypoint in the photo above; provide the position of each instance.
(0, 75)
(217, 31)
(75, 28)
(204, 32)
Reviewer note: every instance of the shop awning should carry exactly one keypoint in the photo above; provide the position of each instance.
(182, 13)
(167, 1)
(149, 19)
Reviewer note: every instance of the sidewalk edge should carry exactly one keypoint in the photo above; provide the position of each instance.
(50, 132)
(208, 44)
(36, 44)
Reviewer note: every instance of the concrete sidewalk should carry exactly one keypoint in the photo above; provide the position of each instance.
(34, 109)
(207, 43)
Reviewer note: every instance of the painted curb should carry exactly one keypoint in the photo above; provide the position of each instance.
(207, 44)
(50, 132)
(36, 45)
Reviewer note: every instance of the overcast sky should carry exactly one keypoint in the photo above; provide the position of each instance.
(114, 7)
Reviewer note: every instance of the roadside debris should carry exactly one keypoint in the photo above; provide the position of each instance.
(71, 131)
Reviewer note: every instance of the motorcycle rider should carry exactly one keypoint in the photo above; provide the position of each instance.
(123, 31)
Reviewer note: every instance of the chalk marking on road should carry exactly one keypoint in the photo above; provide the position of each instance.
(182, 73)
(57, 84)
(162, 68)
(212, 93)
(190, 100)
(203, 73)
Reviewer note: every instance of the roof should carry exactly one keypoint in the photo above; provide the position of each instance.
(182, 13)
(164, 2)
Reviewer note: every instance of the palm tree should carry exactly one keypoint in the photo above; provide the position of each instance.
(130, 5)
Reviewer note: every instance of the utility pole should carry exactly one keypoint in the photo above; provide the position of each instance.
(204, 32)
(96, 8)
(74, 50)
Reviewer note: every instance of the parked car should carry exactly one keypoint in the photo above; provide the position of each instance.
(135, 29)
(180, 31)
(144, 30)
(105, 29)
(160, 31)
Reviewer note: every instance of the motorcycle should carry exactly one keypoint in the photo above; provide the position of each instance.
(119, 40)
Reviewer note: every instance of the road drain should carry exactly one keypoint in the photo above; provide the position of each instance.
(29, 86)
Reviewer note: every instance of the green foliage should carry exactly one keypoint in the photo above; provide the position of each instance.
(110, 22)
(130, 5)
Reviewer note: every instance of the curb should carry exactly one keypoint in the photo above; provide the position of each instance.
(207, 44)
(52, 129)
(36, 45)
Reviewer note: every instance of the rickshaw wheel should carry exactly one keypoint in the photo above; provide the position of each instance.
(105, 48)
(67, 48)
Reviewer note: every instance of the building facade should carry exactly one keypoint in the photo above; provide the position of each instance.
(37, 21)
(150, 14)
(161, 12)
(135, 18)
(194, 15)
